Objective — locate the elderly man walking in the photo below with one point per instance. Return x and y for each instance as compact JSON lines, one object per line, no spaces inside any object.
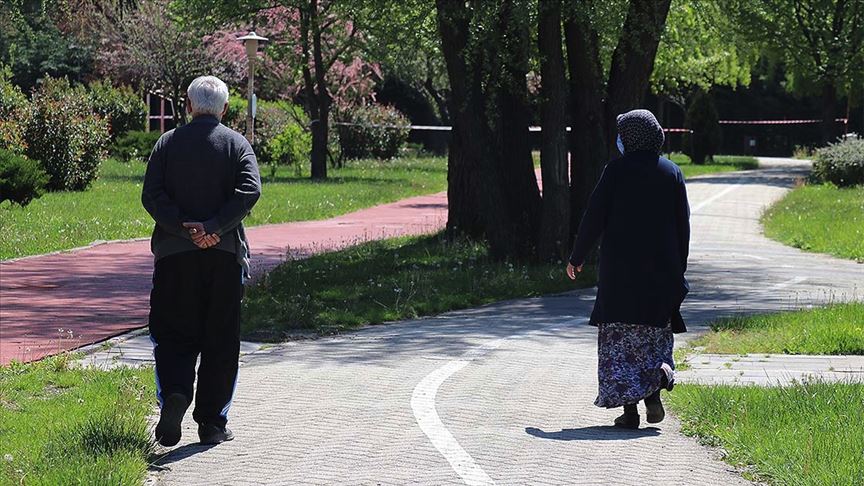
{"x":202,"y":180}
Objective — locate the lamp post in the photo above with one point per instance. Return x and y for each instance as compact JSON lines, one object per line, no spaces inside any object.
{"x":251,"y":40}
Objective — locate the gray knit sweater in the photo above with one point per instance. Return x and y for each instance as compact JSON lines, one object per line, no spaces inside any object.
{"x":204,"y":172}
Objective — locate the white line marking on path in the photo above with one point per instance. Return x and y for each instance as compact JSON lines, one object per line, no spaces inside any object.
{"x":788,"y":283}
{"x":713,"y":198}
{"x":423,"y":405}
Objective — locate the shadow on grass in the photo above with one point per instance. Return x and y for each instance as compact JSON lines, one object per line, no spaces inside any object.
{"x":594,"y":432}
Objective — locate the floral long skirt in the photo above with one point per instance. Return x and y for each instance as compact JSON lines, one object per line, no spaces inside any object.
{"x":630,"y":359}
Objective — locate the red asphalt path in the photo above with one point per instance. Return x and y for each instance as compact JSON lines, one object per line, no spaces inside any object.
{"x":62,"y":301}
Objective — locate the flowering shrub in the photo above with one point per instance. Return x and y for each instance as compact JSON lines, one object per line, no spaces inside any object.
{"x":841,"y":163}
{"x":375,"y":131}
{"x":64,"y":134}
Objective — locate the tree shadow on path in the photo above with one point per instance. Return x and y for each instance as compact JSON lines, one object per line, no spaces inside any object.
{"x":594,"y":432}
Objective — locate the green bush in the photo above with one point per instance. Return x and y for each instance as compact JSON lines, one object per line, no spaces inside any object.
{"x":279,"y":135}
{"x":291,"y":147}
{"x":135,"y":145}
{"x":841,"y":163}
{"x":21,"y":179}
{"x":235,"y":117}
{"x":122,"y":107}
{"x":65,"y":135}
{"x":270,"y":120}
{"x":13,"y":112}
{"x":372,"y":131}
{"x":702,"y":118}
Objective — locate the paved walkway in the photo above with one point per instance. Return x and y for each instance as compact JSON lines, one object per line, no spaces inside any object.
{"x":503,"y":393}
{"x":66,"y":300}
{"x":770,"y":369}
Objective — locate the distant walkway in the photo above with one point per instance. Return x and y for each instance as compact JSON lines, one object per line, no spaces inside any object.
{"x":62,"y":301}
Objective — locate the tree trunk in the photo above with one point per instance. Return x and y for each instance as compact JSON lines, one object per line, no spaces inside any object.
{"x":518,"y":224}
{"x":588,"y":146}
{"x":829,"y":113}
{"x":463,"y":160}
{"x":440,"y":102}
{"x":633,"y":59}
{"x":555,"y":221}
{"x":592,"y":140}
{"x":318,"y":100}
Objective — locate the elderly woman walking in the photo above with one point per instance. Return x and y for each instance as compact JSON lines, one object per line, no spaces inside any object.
{"x":640,"y":212}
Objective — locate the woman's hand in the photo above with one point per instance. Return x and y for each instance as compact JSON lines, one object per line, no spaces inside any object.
{"x":572,"y":271}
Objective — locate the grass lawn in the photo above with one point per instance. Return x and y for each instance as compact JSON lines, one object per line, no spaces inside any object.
{"x":74,"y":426}
{"x":112,"y":210}
{"x":804,"y":434}
{"x":722,"y":163}
{"x":820,"y":218}
{"x":389,"y":280}
{"x":836,"y":329}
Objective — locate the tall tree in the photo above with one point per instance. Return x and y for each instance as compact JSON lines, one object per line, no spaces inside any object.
{"x":152,"y":49}
{"x":492,"y":190}
{"x":33,"y":45}
{"x":595,"y":99}
{"x":555,"y":222}
{"x":324,"y":37}
{"x":821,"y":43}
{"x":464,"y":182}
{"x":700,"y":48}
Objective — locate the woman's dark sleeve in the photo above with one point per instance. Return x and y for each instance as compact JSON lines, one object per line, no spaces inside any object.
{"x":683,"y":222}
{"x":593,"y":221}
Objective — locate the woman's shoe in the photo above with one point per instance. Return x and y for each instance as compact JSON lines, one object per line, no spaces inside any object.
{"x":630,"y":418}
{"x":654,"y":408}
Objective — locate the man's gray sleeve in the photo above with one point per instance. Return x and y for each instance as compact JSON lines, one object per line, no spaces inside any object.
{"x":154,"y":198}
{"x":247,"y":190}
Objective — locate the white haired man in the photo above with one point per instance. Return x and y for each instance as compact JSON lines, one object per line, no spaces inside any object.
{"x":202,"y":179}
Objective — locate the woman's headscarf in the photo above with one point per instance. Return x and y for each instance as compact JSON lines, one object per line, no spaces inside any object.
{"x":640,"y":130}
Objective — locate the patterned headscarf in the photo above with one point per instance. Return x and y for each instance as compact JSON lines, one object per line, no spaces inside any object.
{"x":639,"y":130}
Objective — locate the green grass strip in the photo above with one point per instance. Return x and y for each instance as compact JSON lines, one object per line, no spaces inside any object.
{"x":390,"y":280}
{"x":721,"y":163}
{"x":64,"y":425}
{"x":821,"y":219}
{"x":835,"y":329}
{"x":805,"y":434}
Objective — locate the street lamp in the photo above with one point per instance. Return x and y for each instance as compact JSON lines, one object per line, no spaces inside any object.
{"x":251,"y":40}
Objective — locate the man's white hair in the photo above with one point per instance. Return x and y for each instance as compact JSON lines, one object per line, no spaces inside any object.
{"x":208,"y":95}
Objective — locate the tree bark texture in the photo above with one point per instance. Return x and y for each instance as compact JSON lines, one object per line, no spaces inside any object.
{"x":317,"y":98}
{"x":492,"y":189}
{"x":555,"y":221}
{"x":593,"y":109}
{"x":463,"y":160}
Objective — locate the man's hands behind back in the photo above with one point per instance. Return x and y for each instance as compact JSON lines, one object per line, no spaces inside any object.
{"x":200,"y":237}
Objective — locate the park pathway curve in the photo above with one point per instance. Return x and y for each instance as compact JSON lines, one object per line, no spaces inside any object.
{"x":51,"y":303}
{"x":502,"y":394}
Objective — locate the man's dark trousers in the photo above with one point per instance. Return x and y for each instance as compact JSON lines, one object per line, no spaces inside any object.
{"x":195,"y":308}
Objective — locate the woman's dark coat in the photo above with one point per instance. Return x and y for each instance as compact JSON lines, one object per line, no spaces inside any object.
{"x":639,"y":209}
